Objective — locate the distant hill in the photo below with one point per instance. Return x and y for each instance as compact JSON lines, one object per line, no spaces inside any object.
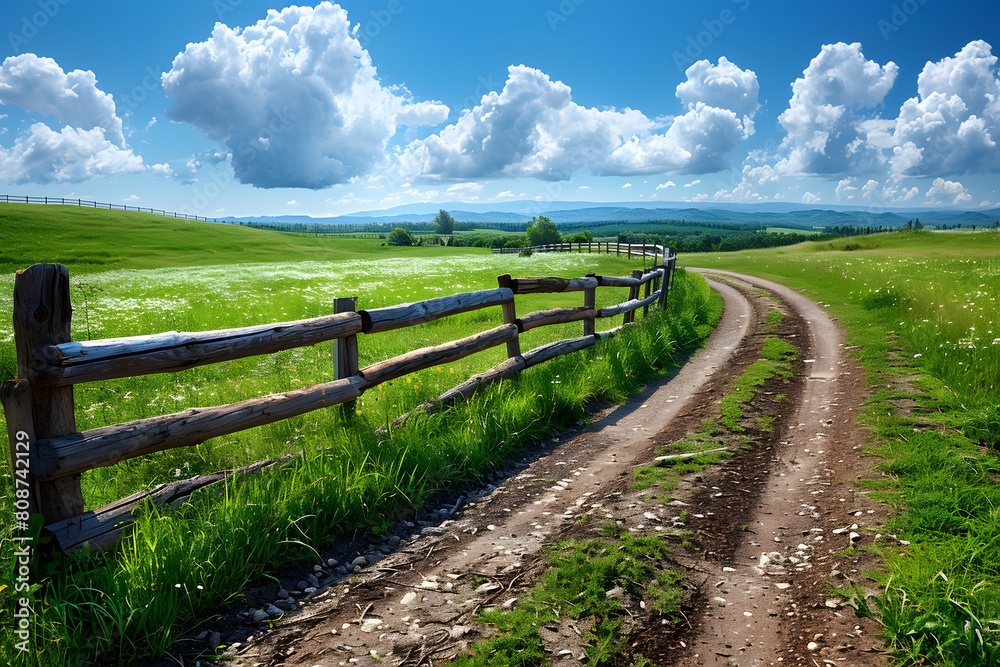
{"x":578,"y":214}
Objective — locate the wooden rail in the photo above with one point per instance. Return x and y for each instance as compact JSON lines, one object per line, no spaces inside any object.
{"x":39,"y":403}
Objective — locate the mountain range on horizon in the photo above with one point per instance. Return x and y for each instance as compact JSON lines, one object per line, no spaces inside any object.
{"x":781,"y":214}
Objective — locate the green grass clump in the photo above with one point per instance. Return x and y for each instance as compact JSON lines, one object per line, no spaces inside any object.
{"x":775,"y":361}
{"x":920,"y":311}
{"x":665,"y":477}
{"x":576,"y":583}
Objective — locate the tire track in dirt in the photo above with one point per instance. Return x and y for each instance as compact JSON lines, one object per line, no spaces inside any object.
{"x":418,"y":606}
{"x":772,"y":603}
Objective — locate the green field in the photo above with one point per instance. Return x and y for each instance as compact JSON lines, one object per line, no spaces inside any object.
{"x":922,"y":310}
{"x":178,"y":565}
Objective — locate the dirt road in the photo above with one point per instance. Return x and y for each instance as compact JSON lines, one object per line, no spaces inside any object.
{"x":768,"y":534}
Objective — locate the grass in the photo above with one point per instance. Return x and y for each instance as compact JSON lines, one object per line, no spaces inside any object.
{"x":776,"y":358}
{"x":665,"y":478}
{"x":179,"y":564}
{"x":920,"y":310}
{"x":576,"y":584}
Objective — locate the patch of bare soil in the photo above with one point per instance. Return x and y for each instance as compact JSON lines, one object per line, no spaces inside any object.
{"x":762,"y":539}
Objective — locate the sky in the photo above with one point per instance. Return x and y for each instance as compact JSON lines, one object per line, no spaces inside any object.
{"x":249,"y":108}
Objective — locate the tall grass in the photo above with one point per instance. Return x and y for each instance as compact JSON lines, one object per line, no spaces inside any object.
{"x":922,"y":310}
{"x":176,"y":565}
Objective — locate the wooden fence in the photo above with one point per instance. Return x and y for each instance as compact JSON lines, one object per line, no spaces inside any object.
{"x":49,"y":454}
{"x":63,"y":201}
{"x":629,"y":250}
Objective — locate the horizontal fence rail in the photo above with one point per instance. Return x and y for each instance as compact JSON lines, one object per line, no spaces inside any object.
{"x":64,"y":201}
{"x":39,"y":403}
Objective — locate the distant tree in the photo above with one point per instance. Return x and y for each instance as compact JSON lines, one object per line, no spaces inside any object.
{"x":399,"y":236}
{"x":917,"y":224}
{"x":542,"y":231}
{"x":582,"y":237}
{"x":444,"y":223}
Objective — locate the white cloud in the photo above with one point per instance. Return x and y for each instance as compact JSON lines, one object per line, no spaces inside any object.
{"x":668,"y":184}
{"x":70,"y":155}
{"x":464,"y":188}
{"x":846,"y":190}
{"x":294,"y":98}
{"x":534,"y":128}
{"x":584,"y":187}
{"x":810,"y":198}
{"x":948,"y":192}
{"x":131,"y":198}
{"x":693,"y":183}
{"x":89,"y":145}
{"x":724,"y":86}
{"x":163,"y":169}
{"x":824,"y":124}
{"x":952,"y":126}
{"x":292,"y":203}
{"x":747,"y":190}
{"x":626,"y":186}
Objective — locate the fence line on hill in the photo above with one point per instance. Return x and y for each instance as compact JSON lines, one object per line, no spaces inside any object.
{"x":86,"y":203}
{"x":49,"y":454}
{"x":630,"y":250}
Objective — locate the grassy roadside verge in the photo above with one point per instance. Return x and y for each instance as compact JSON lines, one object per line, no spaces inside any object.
{"x":179,"y":564}
{"x":920,"y":312}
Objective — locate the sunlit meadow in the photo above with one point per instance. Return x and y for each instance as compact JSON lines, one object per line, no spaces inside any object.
{"x":175,"y":566}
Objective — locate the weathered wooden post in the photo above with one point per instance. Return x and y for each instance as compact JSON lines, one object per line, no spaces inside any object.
{"x":668,"y":267}
{"x":345,"y":350}
{"x":590,"y":303}
{"x":633,"y":293}
{"x":510,"y":315}
{"x":646,"y":293}
{"x":42,"y":315}
{"x":16,"y":398}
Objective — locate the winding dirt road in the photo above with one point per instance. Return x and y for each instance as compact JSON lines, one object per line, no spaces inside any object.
{"x":770,"y":532}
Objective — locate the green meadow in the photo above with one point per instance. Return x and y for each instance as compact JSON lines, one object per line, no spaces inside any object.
{"x":921,"y":309}
{"x":176,"y":566}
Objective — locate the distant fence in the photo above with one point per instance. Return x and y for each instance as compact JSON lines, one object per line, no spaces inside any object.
{"x":49,"y":454}
{"x":630,"y":250}
{"x":63,"y":201}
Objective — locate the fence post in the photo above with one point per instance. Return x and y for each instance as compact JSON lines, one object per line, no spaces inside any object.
{"x":647,"y":292}
{"x":633,"y":293}
{"x":589,"y":302}
{"x":509,"y":316}
{"x":42,"y":315}
{"x":16,"y":398}
{"x":345,"y":350}
{"x":665,"y":283}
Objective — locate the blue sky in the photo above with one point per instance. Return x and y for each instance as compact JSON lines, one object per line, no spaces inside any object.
{"x":241,"y":107}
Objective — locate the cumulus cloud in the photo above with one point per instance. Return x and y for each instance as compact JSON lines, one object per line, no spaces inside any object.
{"x":693,"y":183}
{"x":534,"y":128}
{"x":810,"y":198}
{"x":953,"y":124}
{"x":948,"y":192}
{"x":162,"y":169}
{"x":71,"y":155}
{"x":748,"y":189}
{"x":824,"y":122}
{"x":846,"y":190}
{"x":294,"y":98}
{"x":90,"y":144}
{"x":665,"y":185}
